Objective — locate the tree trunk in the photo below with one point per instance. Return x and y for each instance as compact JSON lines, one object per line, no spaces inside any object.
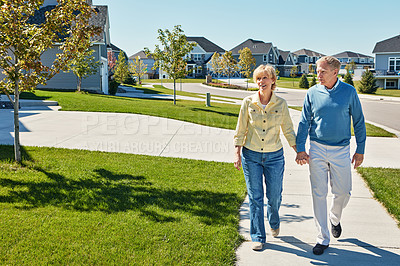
{"x":17,"y":146}
{"x":174,"y":93}
{"x":79,"y":84}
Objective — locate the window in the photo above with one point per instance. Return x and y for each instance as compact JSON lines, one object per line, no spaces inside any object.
{"x":270,"y":57}
{"x":265,"y":58}
{"x":390,"y":84}
{"x":394,"y":63}
{"x":197,"y":57}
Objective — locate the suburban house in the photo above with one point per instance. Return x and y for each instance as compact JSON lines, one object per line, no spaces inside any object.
{"x":264,"y":53}
{"x":361,"y":61}
{"x":66,"y":80}
{"x":200,"y":55}
{"x":387,"y":63}
{"x":285,"y":63}
{"x":304,"y":57}
{"x":148,"y":62}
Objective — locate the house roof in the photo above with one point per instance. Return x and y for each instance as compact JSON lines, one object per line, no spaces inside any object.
{"x":256,"y":47}
{"x":284,"y":54}
{"x":116,"y":50}
{"x":348,"y":54}
{"x":388,"y":45}
{"x":142,"y":55}
{"x":309,"y":53}
{"x":207,"y":45}
{"x":99,"y":19}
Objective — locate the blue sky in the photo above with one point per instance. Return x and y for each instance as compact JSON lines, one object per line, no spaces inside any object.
{"x":325,"y":26}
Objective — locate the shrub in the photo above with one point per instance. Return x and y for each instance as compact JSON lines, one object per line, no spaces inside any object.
{"x":367,"y":83}
{"x":112,"y":87}
{"x":348,"y":79}
{"x":313,"y":81}
{"x":303,"y":83}
{"x":130,"y":81}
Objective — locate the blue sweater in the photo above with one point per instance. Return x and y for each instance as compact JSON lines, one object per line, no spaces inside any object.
{"x":326,"y":117}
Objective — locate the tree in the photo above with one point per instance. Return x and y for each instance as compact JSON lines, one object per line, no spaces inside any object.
{"x":313,"y":81}
{"x":350,"y":67}
{"x":121,"y":73}
{"x":137,"y":67}
{"x":229,"y":65}
{"x":311,"y":69}
{"x":171,"y":57}
{"x":83,"y":66}
{"x":247,"y":63}
{"x":216,"y":63}
{"x":367,"y":83}
{"x":303,"y":83}
{"x":348,"y":79}
{"x":111,"y":60}
{"x":293,"y":72}
{"x":22,"y":44}
{"x":277,"y":72}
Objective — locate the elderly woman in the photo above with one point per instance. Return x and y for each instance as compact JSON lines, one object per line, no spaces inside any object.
{"x":259,"y":150}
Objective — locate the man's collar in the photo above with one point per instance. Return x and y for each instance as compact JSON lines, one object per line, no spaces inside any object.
{"x":335,"y":86}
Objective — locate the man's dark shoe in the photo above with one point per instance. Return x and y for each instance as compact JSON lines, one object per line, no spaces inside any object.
{"x":319,"y":249}
{"x":336,"y":230}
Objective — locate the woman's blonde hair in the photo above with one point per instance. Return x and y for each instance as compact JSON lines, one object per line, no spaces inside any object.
{"x":266,"y":70}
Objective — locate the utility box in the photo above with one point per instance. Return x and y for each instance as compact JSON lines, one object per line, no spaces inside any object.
{"x":208,"y":99}
{"x":208,"y":79}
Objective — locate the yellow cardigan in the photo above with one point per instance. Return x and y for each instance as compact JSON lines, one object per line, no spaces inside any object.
{"x":258,"y":129}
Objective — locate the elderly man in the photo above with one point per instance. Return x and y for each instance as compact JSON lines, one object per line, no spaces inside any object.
{"x":326,"y":117}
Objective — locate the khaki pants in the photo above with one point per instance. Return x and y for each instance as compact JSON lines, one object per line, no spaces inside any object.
{"x":329,"y":164}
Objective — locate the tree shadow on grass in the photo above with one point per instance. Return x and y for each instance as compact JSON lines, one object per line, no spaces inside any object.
{"x":213,"y":111}
{"x":110,"y":192}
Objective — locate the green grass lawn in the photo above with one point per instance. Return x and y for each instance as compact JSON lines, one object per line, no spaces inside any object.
{"x":385,"y":184}
{"x":218,"y":115}
{"x":74,"y":207}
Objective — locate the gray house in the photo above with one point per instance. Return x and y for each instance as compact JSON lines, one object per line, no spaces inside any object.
{"x":200,"y":55}
{"x":264,"y":53}
{"x":148,"y":61}
{"x":285,"y":64}
{"x":362,"y":61}
{"x":305,"y":57}
{"x":387,"y":63}
{"x":67,"y":80}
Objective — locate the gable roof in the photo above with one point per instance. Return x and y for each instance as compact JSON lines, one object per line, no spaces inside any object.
{"x":99,"y":19}
{"x":348,"y":54}
{"x":142,"y":55}
{"x":388,"y":45}
{"x":309,"y":53}
{"x":284,"y":54}
{"x":256,"y":47}
{"x":207,"y":45}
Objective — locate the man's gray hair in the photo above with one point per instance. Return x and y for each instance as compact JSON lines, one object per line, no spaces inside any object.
{"x":333,"y":62}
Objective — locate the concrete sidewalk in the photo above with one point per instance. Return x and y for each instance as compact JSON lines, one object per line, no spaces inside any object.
{"x":370,"y":236}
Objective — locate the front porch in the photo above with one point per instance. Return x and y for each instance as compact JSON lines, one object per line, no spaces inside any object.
{"x":387,"y":79}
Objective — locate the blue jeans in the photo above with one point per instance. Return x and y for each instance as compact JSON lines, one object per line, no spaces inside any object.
{"x":269,"y":165}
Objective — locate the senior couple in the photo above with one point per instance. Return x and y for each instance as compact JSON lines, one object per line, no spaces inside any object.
{"x":328,"y":110}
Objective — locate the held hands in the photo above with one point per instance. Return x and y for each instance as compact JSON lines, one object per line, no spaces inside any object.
{"x":302,"y":158}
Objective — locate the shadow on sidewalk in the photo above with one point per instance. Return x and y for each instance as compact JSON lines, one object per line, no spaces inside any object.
{"x":338,"y":254}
